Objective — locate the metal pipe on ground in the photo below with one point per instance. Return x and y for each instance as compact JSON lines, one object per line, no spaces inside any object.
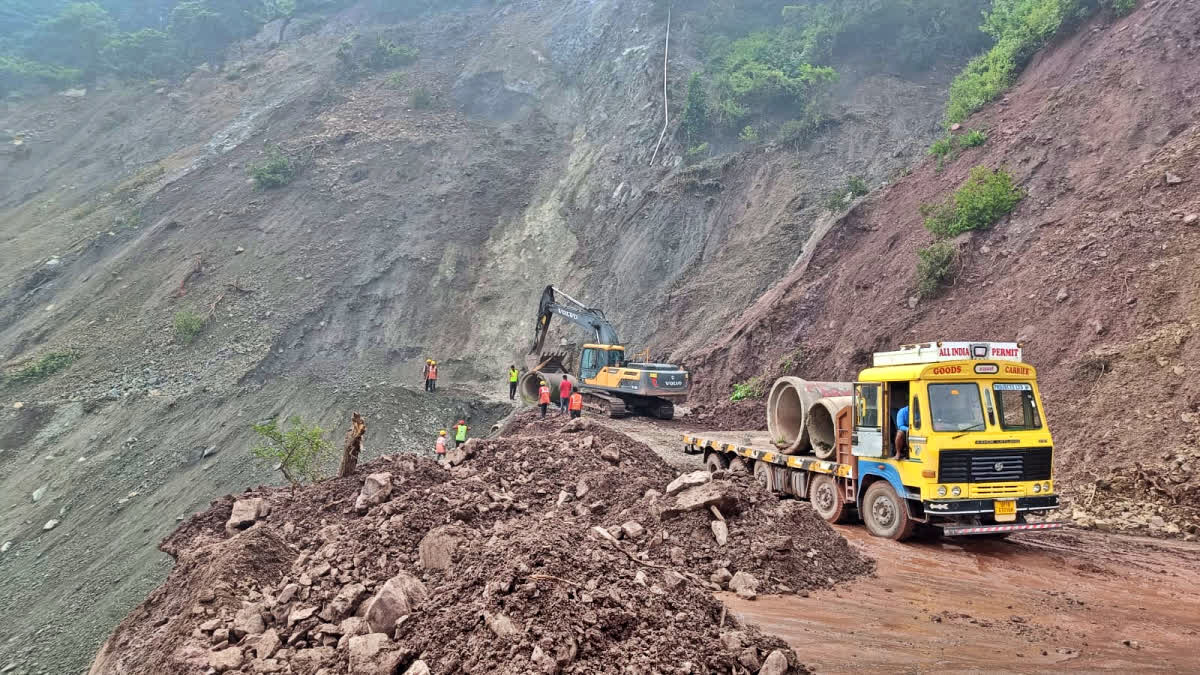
{"x":822,"y":431}
{"x":787,"y":407}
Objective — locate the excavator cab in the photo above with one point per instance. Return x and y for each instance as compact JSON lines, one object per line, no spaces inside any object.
{"x":596,"y":358}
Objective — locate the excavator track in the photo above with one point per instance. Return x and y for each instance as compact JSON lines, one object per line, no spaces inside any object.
{"x":604,"y":404}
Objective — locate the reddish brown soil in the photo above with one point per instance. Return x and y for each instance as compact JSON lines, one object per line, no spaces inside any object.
{"x":527,"y":551}
{"x":1094,"y":272}
{"x":1063,"y":602}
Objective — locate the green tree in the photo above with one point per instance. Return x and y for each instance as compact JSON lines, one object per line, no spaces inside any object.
{"x":146,"y":54}
{"x":201,"y":33}
{"x":299,"y":453}
{"x":75,"y":36}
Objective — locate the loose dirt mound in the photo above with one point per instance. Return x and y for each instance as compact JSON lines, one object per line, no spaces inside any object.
{"x":555,"y":550}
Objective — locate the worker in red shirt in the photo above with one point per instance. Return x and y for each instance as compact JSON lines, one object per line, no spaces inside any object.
{"x":543,"y":398}
{"x":564,"y":394}
{"x":576,"y":404}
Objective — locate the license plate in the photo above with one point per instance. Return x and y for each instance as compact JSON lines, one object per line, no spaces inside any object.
{"x":1006,"y":510}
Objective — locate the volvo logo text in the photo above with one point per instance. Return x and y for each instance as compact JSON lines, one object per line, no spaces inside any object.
{"x":999,"y":466}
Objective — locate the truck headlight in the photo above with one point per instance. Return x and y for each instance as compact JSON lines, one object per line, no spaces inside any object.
{"x":956,"y":491}
{"x":941,"y":490}
{"x":1037,"y":488}
{"x":1046,"y":486}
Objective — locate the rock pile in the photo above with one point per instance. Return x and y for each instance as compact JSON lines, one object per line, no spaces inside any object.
{"x":576,"y":551}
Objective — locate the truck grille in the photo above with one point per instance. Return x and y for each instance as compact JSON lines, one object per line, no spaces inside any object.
{"x":994,"y":466}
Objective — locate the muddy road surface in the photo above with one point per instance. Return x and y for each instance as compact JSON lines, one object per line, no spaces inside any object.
{"x":1051,"y":602}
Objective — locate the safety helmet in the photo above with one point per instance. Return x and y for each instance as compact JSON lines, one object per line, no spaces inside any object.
{"x":442,"y":432}
{"x":428,"y":360}
{"x":434,"y":362}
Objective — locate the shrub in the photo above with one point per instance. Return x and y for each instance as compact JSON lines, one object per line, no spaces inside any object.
{"x":276,"y":171}
{"x":935,"y":267}
{"x":942,"y":147}
{"x":421,"y":99}
{"x":748,"y":134}
{"x":387,"y":54}
{"x":697,"y":152}
{"x":974,"y":138}
{"x":987,"y":196}
{"x":188,"y":325}
{"x":298,"y":453}
{"x":695,"y":111}
{"x":45,"y":367}
{"x":857,"y":186}
{"x":396,"y":80}
{"x":755,"y":387}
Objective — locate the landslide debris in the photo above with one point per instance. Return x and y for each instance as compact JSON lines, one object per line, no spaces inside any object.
{"x":553,"y":550}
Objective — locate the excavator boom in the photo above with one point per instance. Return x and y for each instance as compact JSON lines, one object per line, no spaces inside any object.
{"x":574,"y":311}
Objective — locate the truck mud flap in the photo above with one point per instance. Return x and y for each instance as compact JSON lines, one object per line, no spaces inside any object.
{"x":966,"y":530}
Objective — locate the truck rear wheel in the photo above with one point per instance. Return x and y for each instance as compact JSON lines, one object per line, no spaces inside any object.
{"x":764,"y":476}
{"x":826,"y":499}
{"x":885,"y":514}
{"x":738,"y":465}
{"x":715,"y":462}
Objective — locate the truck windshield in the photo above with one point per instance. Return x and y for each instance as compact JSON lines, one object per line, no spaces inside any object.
{"x":1017,"y":407}
{"x":956,"y":407}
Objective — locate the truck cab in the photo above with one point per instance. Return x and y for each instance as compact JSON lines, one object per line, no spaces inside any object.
{"x":977,"y":455}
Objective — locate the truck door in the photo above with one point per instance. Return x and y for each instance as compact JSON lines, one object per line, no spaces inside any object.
{"x":867,"y":440}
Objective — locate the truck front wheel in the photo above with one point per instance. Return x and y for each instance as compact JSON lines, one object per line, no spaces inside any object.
{"x":715,"y":462}
{"x":885,"y":514}
{"x":826,"y":499}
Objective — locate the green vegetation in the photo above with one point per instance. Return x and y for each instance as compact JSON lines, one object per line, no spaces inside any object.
{"x":986,"y":197}
{"x":299,"y":453}
{"x":61,"y":43}
{"x":791,"y":360}
{"x":388,"y":54}
{"x":275,"y":171}
{"x":697,"y":153}
{"x":769,"y":62}
{"x":188,"y":325}
{"x":935,"y":267}
{"x":695,"y":112}
{"x":421,"y":99}
{"x":1019,"y":29}
{"x":396,"y":80}
{"x":946,"y":148}
{"x":755,"y":387}
{"x":855,"y":187}
{"x":44,"y":367}
{"x":748,"y":134}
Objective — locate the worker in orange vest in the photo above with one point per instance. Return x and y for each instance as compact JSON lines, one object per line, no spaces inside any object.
{"x":543,"y":398}
{"x":433,"y":376}
{"x":425,"y":372}
{"x":576,"y":405}
{"x":441,"y":444}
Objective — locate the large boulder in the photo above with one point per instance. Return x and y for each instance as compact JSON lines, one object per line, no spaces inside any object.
{"x":245,"y":513}
{"x":719,"y":493}
{"x":396,"y":598}
{"x":346,"y":601}
{"x":373,"y":654}
{"x":226,"y":659}
{"x":745,"y":585}
{"x":437,"y":547}
{"x":776,"y":664}
{"x":376,"y":489}
{"x":249,"y":621}
{"x":688,"y":480}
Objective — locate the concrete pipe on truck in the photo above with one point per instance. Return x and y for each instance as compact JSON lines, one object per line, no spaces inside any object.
{"x":822,"y":430}
{"x":787,"y":407}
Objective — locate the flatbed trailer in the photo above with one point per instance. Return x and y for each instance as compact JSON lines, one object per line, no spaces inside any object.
{"x":835,"y":487}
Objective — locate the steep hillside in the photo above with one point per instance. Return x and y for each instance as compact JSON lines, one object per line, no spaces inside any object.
{"x":1093,"y":272}
{"x":429,"y":205}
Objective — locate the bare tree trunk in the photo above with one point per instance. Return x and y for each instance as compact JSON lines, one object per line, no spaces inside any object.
{"x":352,"y":446}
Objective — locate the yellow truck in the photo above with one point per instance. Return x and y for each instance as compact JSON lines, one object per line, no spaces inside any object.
{"x":975,"y":456}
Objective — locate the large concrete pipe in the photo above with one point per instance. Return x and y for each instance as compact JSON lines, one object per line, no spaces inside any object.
{"x":788,"y":405}
{"x":822,"y":434}
{"x":528,"y":386}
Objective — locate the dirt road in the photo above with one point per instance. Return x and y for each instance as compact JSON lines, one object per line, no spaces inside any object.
{"x":1076,"y":601}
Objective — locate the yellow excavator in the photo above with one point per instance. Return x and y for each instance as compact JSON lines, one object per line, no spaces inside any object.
{"x":608,"y":382}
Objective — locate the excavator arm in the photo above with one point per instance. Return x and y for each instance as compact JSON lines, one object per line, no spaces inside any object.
{"x":574,"y":311}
